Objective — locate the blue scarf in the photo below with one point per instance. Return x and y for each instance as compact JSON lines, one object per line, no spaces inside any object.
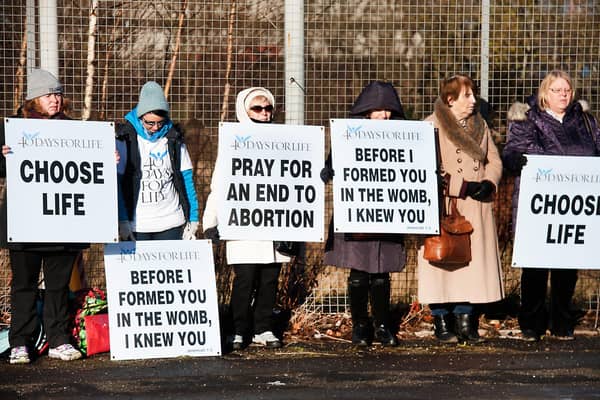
{"x":142,"y":132}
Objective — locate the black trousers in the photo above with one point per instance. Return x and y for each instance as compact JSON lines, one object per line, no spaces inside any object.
{"x":534,"y":313}
{"x":169,"y":234}
{"x":25,"y":266}
{"x":253,"y":297}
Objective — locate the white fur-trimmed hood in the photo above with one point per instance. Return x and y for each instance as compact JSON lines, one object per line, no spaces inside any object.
{"x":518,"y":110}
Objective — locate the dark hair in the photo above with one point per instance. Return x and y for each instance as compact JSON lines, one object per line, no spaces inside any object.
{"x":452,"y":86}
{"x":161,"y":113}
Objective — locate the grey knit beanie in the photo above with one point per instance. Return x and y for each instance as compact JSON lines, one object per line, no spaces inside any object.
{"x":152,"y":98}
{"x":41,"y":82}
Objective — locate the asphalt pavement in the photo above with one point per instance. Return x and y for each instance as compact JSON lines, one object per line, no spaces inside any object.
{"x":325,"y":369}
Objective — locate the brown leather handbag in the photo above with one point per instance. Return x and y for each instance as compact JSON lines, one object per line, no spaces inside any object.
{"x":452,"y":248}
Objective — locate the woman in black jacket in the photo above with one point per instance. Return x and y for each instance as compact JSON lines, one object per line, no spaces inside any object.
{"x":551,"y":123}
{"x":370,"y":257}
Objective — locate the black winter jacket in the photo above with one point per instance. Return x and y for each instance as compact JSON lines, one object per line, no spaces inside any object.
{"x":130,"y":184}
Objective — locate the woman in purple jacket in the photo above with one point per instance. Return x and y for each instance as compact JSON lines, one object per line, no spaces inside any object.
{"x":552,"y":123}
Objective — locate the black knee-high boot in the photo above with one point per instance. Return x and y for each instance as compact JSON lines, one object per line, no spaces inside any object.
{"x":358,"y":291}
{"x":380,"y":304}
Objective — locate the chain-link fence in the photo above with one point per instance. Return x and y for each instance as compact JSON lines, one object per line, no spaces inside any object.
{"x":204,"y":52}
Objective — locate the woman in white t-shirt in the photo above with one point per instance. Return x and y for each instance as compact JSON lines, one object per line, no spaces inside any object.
{"x":157,"y":197}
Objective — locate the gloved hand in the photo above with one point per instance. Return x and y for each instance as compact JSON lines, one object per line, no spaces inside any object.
{"x":480,"y":191}
{"x":125,"y":231}
{"x":326,"y":174}
{"x":212,"y":234}
{"x":522,"y":162}
{"x":189,"y":231}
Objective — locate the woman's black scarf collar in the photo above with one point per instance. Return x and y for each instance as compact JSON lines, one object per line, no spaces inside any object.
{"x":469,"y":139}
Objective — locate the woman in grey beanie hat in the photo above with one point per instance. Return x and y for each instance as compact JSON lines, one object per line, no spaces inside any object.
{"x":152,"y":98}
{"x":41,"y":82}
{"x":157,"y":196}
{"x":44,"y":101}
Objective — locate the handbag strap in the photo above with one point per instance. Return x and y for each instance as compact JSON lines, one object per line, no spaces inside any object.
{"x":454,"y":206}
{"x":450,"y":207}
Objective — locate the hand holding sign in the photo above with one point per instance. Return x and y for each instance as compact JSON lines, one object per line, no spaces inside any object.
{"x":57,"y":177}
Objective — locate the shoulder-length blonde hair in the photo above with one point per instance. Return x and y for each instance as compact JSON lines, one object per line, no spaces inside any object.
{"x":542,"y":97}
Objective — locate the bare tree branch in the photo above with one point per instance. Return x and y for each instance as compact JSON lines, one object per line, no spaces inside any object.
{"x":20,"y":72}
{"x":89,"y":82}
{"x":176,"y":49}
{"x":109,"y":51}
{"x":229,"y":57}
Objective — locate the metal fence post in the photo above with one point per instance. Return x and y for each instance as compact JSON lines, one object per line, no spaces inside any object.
{"x":294,"y":61}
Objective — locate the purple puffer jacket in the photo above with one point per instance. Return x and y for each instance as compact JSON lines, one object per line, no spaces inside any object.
{"x":534,"y":131}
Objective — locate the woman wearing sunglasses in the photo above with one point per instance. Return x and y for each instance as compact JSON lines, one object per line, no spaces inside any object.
{"x":256,"y":263}
{"x":157,"y":197}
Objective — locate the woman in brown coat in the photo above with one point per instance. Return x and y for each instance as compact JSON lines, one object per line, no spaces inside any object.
{"x":471,"y":169}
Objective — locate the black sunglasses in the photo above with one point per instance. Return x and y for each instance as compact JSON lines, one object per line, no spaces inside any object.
{"x":258,"y":109}
{"x":151,"y":124}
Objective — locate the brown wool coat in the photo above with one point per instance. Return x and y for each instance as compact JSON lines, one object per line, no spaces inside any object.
{"x":481,"y":280}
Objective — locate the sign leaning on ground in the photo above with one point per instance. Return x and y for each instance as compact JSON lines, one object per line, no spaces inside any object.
{"x":273,"y":190}
{"x":385,"y":176}
{"x":61,"y":181}
{"x":162,"y":299}
{"x":558,"y":219}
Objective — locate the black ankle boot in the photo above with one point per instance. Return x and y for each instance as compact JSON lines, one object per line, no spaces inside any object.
{"x":385,"y":337}
{"x":474,"y":332}
{"x":360,"y":334}
{"x":441,"y":330}
{"x":462,"y":326}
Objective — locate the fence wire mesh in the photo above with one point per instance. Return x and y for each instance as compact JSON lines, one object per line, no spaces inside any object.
{"x":204,"y":52}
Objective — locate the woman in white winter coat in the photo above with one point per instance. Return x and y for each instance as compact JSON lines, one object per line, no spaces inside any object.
{"x":256,"y":263}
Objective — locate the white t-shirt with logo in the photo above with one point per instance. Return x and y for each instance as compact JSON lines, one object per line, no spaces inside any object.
{"x":158,"y":207}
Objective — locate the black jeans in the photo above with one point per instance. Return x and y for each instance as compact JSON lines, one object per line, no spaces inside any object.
{"x":533,"y":314}
{"x":169,"y":234}
{"x":25,"y":266}
{"x":253,"y":296}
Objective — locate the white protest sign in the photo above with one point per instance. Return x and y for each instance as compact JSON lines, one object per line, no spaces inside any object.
{"x":268,"y":184}
{"x":162,"y":299}
{"x":61,"y":181}
{"x":558,"y":219}
{"x":385,"y":176}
